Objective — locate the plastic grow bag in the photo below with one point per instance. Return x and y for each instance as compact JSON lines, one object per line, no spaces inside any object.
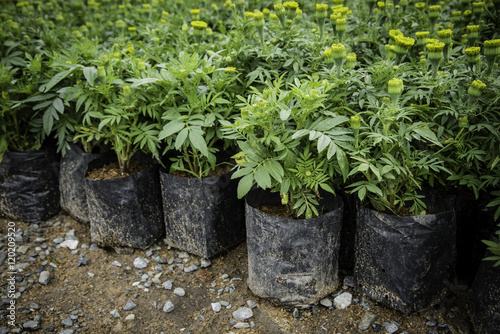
{"x":72,"y":182}
{"x":404,"y":262}
{"x":202,"y":216}
{"x":29,"y":185}
{"x":484,"y":306}
{"x":293,"y":262}
{"x":126,"y":211}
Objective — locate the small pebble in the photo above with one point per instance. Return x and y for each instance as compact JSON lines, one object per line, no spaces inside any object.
{"x":130,"y":305}
{"x":115,"y":313}
{"x":140,"y":263}
{"x":44,"y":277}
{"x":326,"y":302}
{"x":67,"y":322}
{"x":216,"y":307}
{"x":251,"y":304}
{"x":205,"y":263}
{"x":241,"y":325}
{"x":116,"y":264}
{"x":82,"y":260}
{"x":179,"y":292}
{"x":167,"y":285}
{"x":130,"y":317}
{"x":168,"y":307}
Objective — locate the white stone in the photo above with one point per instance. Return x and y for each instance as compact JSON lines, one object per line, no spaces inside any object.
{"x":130,"y":317}
{"x":343,"y":300}
{"x":179,"y":292}
{"x":115,"y":313}
{"x":140,"y":263}
{"x":167,"y":285}
{"x":168,"y":307}
{"x":243,"y":314}
{"x":71,"y":244}
{"x":44,"y":277}
{"x":326,"y":302}
{"x":216,"y":307}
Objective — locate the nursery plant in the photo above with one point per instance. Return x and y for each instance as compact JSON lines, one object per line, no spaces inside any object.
{"x":290,"y":143}
{"x":388,"y":168}
{"x":194,"y":94}
{"x":115,"y":109}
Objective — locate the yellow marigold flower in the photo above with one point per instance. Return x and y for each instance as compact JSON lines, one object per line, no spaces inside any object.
{"x":249,"y":15}
{"x":420,"y":5}
{"x":338,"y":51}
{"x":195,"y":12}
{"x":120,"y":24}
{"x":291,"y":5}
{"x":266,"y":12}
{"x":199,"y":25}
{"x":492,"y":48}
{"x":435,"y":47}
{"x":476,"y":88}
{"x":472,"y":51}
{"x":350,"y":60}
{"x":395,"y":86}
{"x":422,"y":34}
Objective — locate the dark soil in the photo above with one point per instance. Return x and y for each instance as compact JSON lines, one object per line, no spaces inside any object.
{"x":112,"y":170}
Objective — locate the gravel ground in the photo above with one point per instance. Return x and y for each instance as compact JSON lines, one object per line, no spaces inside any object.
{"x":65,"y":284}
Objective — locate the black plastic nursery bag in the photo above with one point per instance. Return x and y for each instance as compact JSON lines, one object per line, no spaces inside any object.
{"x":126,"y":211}
{"x":29,"y":185}
{"x":404,"y":262}
{"x":294,"y":262}
{"x":484,"y":303}
{"x":72,"y":182}
{"x":202,"y":216}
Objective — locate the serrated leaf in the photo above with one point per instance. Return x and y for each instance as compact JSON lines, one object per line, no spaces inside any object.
{"x":90,"y":74}
{"x":245,"y":185}
{"x":285,"y":113}
{"x":323,"y":142}
{"x":181,"y":138}
{"x":171,"y":128}
{"x":261,"y":175}
{"x":139,"y":82}
{"x":58,"y":105}
{"x":198,"y":142}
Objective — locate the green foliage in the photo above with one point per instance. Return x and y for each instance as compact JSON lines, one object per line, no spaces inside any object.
{"x":494,"y":247}
{"x":290,"y":144}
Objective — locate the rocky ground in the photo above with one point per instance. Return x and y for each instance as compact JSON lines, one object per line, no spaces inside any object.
{"x":65,"y":284}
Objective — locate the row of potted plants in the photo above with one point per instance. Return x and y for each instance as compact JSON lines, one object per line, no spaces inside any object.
{"x":378,"y":100}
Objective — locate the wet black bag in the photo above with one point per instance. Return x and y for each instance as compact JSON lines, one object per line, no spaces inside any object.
{"x":126,"y":211}
{"x":202,"y":216}
{"x":72,"y":182}
{"x":404,"y":262}
{"x":293,"y":262}
{"x":484,"y":302}
{"x":29,"y":185}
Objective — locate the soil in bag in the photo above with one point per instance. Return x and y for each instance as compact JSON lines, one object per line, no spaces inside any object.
{"x":292,"y":261}
{"x":404,"y":262}
{"x":203,"y":216}
{"x":125,"y":211}
{"x":72,"y":181}
{"x":484,"y":306}
{"x":29,"y":185}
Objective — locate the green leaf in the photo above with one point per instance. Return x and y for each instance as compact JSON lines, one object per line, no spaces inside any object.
{"x":181,"y":138}
{"x":58,"y":105}
{"x":285,"y":113}
{"x":90,"y":74}
{"x":262,"y":177}
{"x":245,"y":185}
{"x":326,"y":187}
{"x":198,"y":142}
{"x":139,"y":82}
{"x":171,"y":128}
{"x":56,"y":79}
{"x":425,"y":132}
{"x":343,"y":163}
{"x":323,"y":142}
